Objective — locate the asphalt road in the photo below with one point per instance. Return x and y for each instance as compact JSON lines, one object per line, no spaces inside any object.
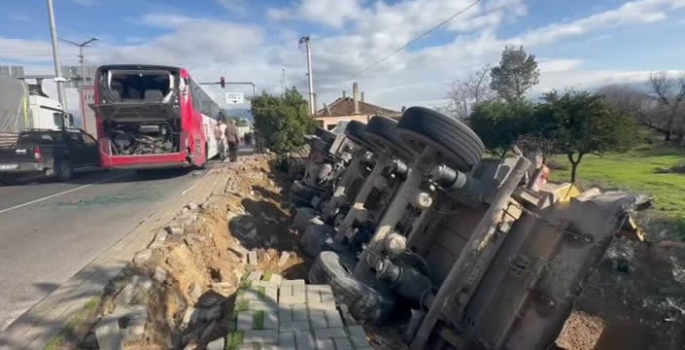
{"x":49,"y":231}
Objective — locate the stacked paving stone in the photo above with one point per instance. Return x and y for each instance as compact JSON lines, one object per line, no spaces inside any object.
{"x":290,"y":315}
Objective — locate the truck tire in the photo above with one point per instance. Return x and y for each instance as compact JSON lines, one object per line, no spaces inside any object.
{"x":364,"y":303}
{"x":382,"y":132}
{"x":355,"y":131}
{"x":64,"y":170}
{"x":314,"y":239}
{"x":325,"y":135}
{"x":456,"y":142}
{"x":306,"y":217}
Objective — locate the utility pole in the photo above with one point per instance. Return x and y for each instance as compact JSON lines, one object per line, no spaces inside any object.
{"x":59,"y":80}
{"x":308,"y":49}
{"x":80,"y":56}
{"x":283,"y":80}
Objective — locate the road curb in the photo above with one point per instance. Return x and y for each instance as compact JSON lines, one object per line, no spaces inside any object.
{"x":35,"y":328}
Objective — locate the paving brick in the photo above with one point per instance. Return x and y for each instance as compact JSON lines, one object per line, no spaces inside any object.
{"x":285,"y":313}
{"x":333,"y":318}
{"x":318,"y":319}
{"x":265,"y":284}
{"x":255,"y":275}
{"x":252,"y":258}
{"x":286,"y":341}
{"x":327,"y":333}
{"x":283,"y":259}
{"x":320,"y":297}
{"x":260,"y":336}
{"x":263,"y":305}
{"x":325,"y":344}
{"x":358,"y":336}
{"x":292,"y":292}
{"x":245,"y":320}
{"x":300,"y":312}
{"x":299,"y":326}
{"x":343,"y":344}
{"x":271,"y":294}
{"x":305,"y":341}
{"x":276,"y":279}
{"x":271,"y":321}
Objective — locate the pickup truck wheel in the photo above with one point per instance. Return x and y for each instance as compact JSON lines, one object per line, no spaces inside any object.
{"x":365,"y":304}
{"x":64,"y":170}
{"x":456,"y":142}
{"x":382,"y":132}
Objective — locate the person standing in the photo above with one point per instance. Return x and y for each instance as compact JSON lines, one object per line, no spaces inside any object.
{"x":232,"y":138}
{"x":220,"y":136}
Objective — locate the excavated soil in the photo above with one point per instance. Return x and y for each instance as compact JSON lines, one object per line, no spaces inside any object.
{"x":635,"y":300}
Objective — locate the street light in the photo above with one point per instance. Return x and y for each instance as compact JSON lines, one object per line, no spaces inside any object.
{"x":80,"y":55}
{"x":61,"y":95}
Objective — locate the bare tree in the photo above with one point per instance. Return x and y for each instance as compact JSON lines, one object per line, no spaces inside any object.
{"x":466,"y":93}
{"x":667,"y":107}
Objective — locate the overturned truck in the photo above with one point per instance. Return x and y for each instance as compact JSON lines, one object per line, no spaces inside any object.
{"x":456,"y":251}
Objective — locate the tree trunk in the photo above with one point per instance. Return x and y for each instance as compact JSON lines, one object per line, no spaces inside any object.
{"x":574,"y":165}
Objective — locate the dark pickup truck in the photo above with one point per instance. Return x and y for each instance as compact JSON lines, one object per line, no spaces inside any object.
{"x":57,"y":153}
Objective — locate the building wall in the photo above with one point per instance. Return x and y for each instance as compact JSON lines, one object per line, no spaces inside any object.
{"x":329,"y":123}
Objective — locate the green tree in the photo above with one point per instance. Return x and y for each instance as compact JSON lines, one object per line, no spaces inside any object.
{"x":581,"y":123}
{"x":516,"y":74}
{"x":499,"y":124}
{"x":282,"y":122}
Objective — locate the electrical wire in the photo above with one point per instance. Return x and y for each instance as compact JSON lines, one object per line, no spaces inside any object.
{"x":416,"y":39}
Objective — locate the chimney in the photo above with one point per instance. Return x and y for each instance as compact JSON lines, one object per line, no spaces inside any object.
{"x":316,"y":105}
{"x":344,"y":94}
{"x":327,"y":109}
{"x":355,"y":97}
{"x":362,"y":96}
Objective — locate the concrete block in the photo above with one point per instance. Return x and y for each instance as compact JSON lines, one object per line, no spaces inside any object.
{"x":327,"y":333}
{"x":249,"y":293}
{"x":333,"y":318}
{"x":263,"y":284}
{"x":245,"y":320}
{"x":299,"y":326}
{"x":260,"y":336}
{"x":271,"y":294}
{"x":342,"y":344}
{"x":285,"y":313}
{"x":174,"y":229}
{"x":283,"y":259}
{"x":160,"y":274}
{"x":286,"y":341}
{"x":292,"y":292}
{"x":293,"y":283}
{"x":142,"y":256}
{"x":255,"y":275}
{"x":305,"y":341}
{"x":300,"y":312}
{"x":216,"y":345}
{"x":263,"y":305}
{"x":137,"y":319}
{"x":108,"y":334}
{"x":325,"y":344}
{"x":276,"y":279}
{"x":358,"y":336}
{"x":318,"y":319}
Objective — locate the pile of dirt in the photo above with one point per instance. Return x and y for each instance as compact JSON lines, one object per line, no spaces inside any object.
{"x":635,"y":300}
{"x":196,"y":264}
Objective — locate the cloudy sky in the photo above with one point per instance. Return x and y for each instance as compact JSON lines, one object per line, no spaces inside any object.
{"x":579,"y":43}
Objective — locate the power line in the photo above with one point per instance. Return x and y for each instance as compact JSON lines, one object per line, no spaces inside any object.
{"x":424,"y":34}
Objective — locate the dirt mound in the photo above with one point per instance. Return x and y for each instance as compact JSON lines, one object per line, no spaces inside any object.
{"x":635,"y":300}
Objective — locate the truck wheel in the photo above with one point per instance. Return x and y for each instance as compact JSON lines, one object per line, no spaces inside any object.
{"x":325,"y":135}
{"x":64,"y":170}
{"x":355,"y":131}
{"x":382,"y":132}
{"x":456,"y":142}
{"x":364,"y":303}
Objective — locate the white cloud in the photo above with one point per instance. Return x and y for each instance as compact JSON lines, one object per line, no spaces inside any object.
{"x":248,"y":52}
{"x":238,"y":7}
{"x":86,"y":3}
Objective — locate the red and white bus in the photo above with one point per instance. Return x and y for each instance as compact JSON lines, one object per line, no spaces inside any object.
{"x":152,"y":117}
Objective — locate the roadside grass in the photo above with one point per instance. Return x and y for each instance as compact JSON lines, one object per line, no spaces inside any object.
{"x":70,"y":331}
{"x":637,"y":171}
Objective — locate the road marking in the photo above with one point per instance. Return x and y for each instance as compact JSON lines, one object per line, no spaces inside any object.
{"x":61,"y":193}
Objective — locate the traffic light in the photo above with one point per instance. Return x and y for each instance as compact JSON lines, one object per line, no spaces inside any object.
{"x":222,"y":82}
